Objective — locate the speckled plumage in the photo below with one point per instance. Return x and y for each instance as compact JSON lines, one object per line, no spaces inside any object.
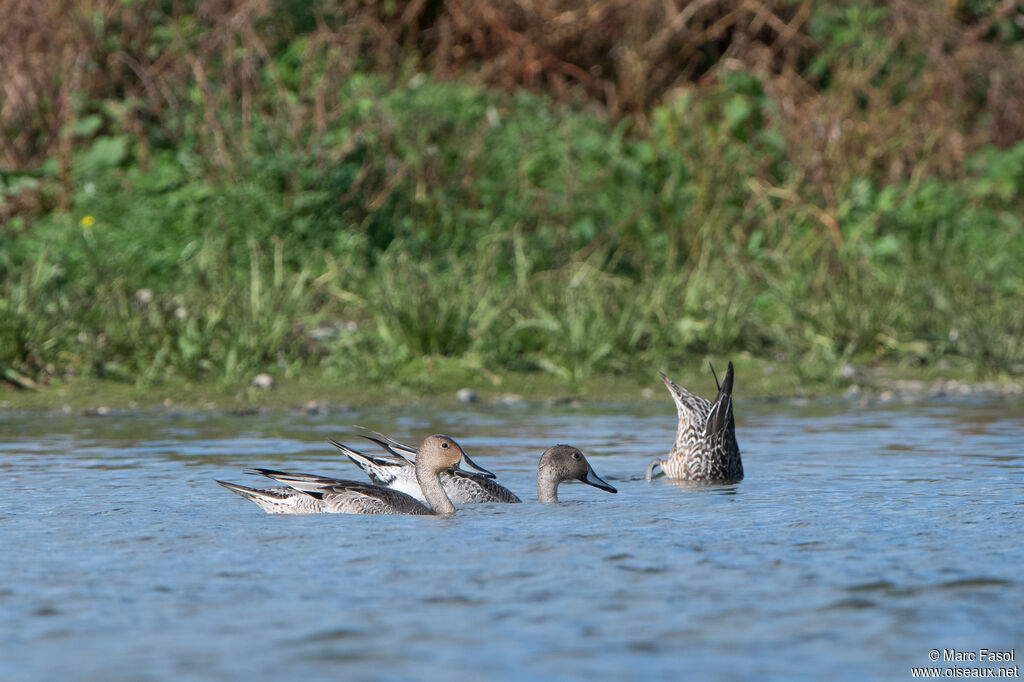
{"x":313,"y":494}
{"x":705,"y":448}
{"x":557,"y":464}
{"x":279,"y":500}
{"x":398,"y":472}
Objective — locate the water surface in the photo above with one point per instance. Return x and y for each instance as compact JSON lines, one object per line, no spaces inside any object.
{"x":861,"y":539}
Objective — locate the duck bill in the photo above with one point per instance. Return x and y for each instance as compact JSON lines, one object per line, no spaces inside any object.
{"x":468,"y":462}
{"x":593,"y":479}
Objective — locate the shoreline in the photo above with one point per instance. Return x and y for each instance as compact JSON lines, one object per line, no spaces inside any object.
{"x":757,"y":382}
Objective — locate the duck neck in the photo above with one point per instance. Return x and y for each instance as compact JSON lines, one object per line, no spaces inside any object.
{"x":433,"y":491}
{"x":547,"y":486}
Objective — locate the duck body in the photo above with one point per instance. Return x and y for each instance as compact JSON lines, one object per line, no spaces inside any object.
{"x":278,"y":500}
{"x":397,"y":471}
{"x":705,"y":448}
{"x":311,"y":494}
{"x":558,"y":464}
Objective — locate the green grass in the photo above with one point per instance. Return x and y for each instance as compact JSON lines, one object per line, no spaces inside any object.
{"x":500,"y":234}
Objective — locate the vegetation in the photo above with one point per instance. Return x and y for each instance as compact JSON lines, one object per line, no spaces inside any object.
{"x":206,"y":190}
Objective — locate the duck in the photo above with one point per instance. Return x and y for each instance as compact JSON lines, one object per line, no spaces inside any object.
{"x":397,"y":470}
{"x":312,"y":494}
{"x":558,"y":464}
{"x":705,"y":449}
{"x":562,"y":463}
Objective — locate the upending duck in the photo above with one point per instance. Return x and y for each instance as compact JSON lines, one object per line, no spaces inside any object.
{"x":306,"y":493}
{"x":558,"y":464}
{"x":398,"y":472}
{"x":705,"y":448}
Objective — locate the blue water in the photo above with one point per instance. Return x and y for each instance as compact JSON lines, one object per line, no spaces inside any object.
{"x":861,"y":539}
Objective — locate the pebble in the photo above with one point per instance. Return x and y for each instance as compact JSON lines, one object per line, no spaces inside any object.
{"x":314,"y":407}
{"x":263,"y":380}
{"x":848,"y":372}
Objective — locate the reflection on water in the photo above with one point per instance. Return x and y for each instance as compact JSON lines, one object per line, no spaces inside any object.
{"x":859,"y":541}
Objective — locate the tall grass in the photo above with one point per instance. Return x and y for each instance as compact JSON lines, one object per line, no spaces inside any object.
{"x":269,"y":203}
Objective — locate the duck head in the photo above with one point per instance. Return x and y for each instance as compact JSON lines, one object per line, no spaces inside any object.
{"x":439,"y":453}
{"x":569,"y":464}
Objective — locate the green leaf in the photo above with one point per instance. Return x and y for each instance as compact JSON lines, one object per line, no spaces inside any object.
{"x":87,"y":126}
{"x":105,"y":153}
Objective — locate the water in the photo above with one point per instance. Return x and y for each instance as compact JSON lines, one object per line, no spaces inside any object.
{"x":860,"y":540}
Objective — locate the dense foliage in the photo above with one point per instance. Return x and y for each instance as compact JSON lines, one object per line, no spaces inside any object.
{"x":209,"y":189}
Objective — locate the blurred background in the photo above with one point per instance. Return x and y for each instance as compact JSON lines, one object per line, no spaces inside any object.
{"x":205,"y":190}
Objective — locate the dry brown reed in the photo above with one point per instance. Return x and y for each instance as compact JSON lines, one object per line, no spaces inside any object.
{"x":939,"y":87}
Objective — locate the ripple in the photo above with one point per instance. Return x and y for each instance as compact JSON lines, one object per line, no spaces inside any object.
{"x":857,"y":530}
{"x":853,"y":604}
{"x":336,"y":635}
{"x":962,"y":583}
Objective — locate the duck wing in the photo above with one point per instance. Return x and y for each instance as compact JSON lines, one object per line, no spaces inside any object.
{"x":354,"y":497}
{"x":468,"y":487}
{"x":720,"y":414}
{"x":278,"y":500}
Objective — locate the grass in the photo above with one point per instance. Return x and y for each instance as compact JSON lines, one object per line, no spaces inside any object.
{"x":394,"y":233}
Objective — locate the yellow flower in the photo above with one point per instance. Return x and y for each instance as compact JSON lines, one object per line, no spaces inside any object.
{"x":87,"y":221}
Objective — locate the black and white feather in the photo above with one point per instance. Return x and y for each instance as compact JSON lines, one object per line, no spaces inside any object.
{"x":397,"y":471}
{"x":312,"y":494}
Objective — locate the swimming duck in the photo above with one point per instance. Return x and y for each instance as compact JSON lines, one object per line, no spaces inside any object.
{"x":398,"y":472}
{"x":558,"y":464}
{"x":564,"y":463}
{"x":306,"y":493}
{"x":705,"y":448}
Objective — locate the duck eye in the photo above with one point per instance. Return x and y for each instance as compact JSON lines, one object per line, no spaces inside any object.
{"x":444,"y":445}
{"x":575,"y":455}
